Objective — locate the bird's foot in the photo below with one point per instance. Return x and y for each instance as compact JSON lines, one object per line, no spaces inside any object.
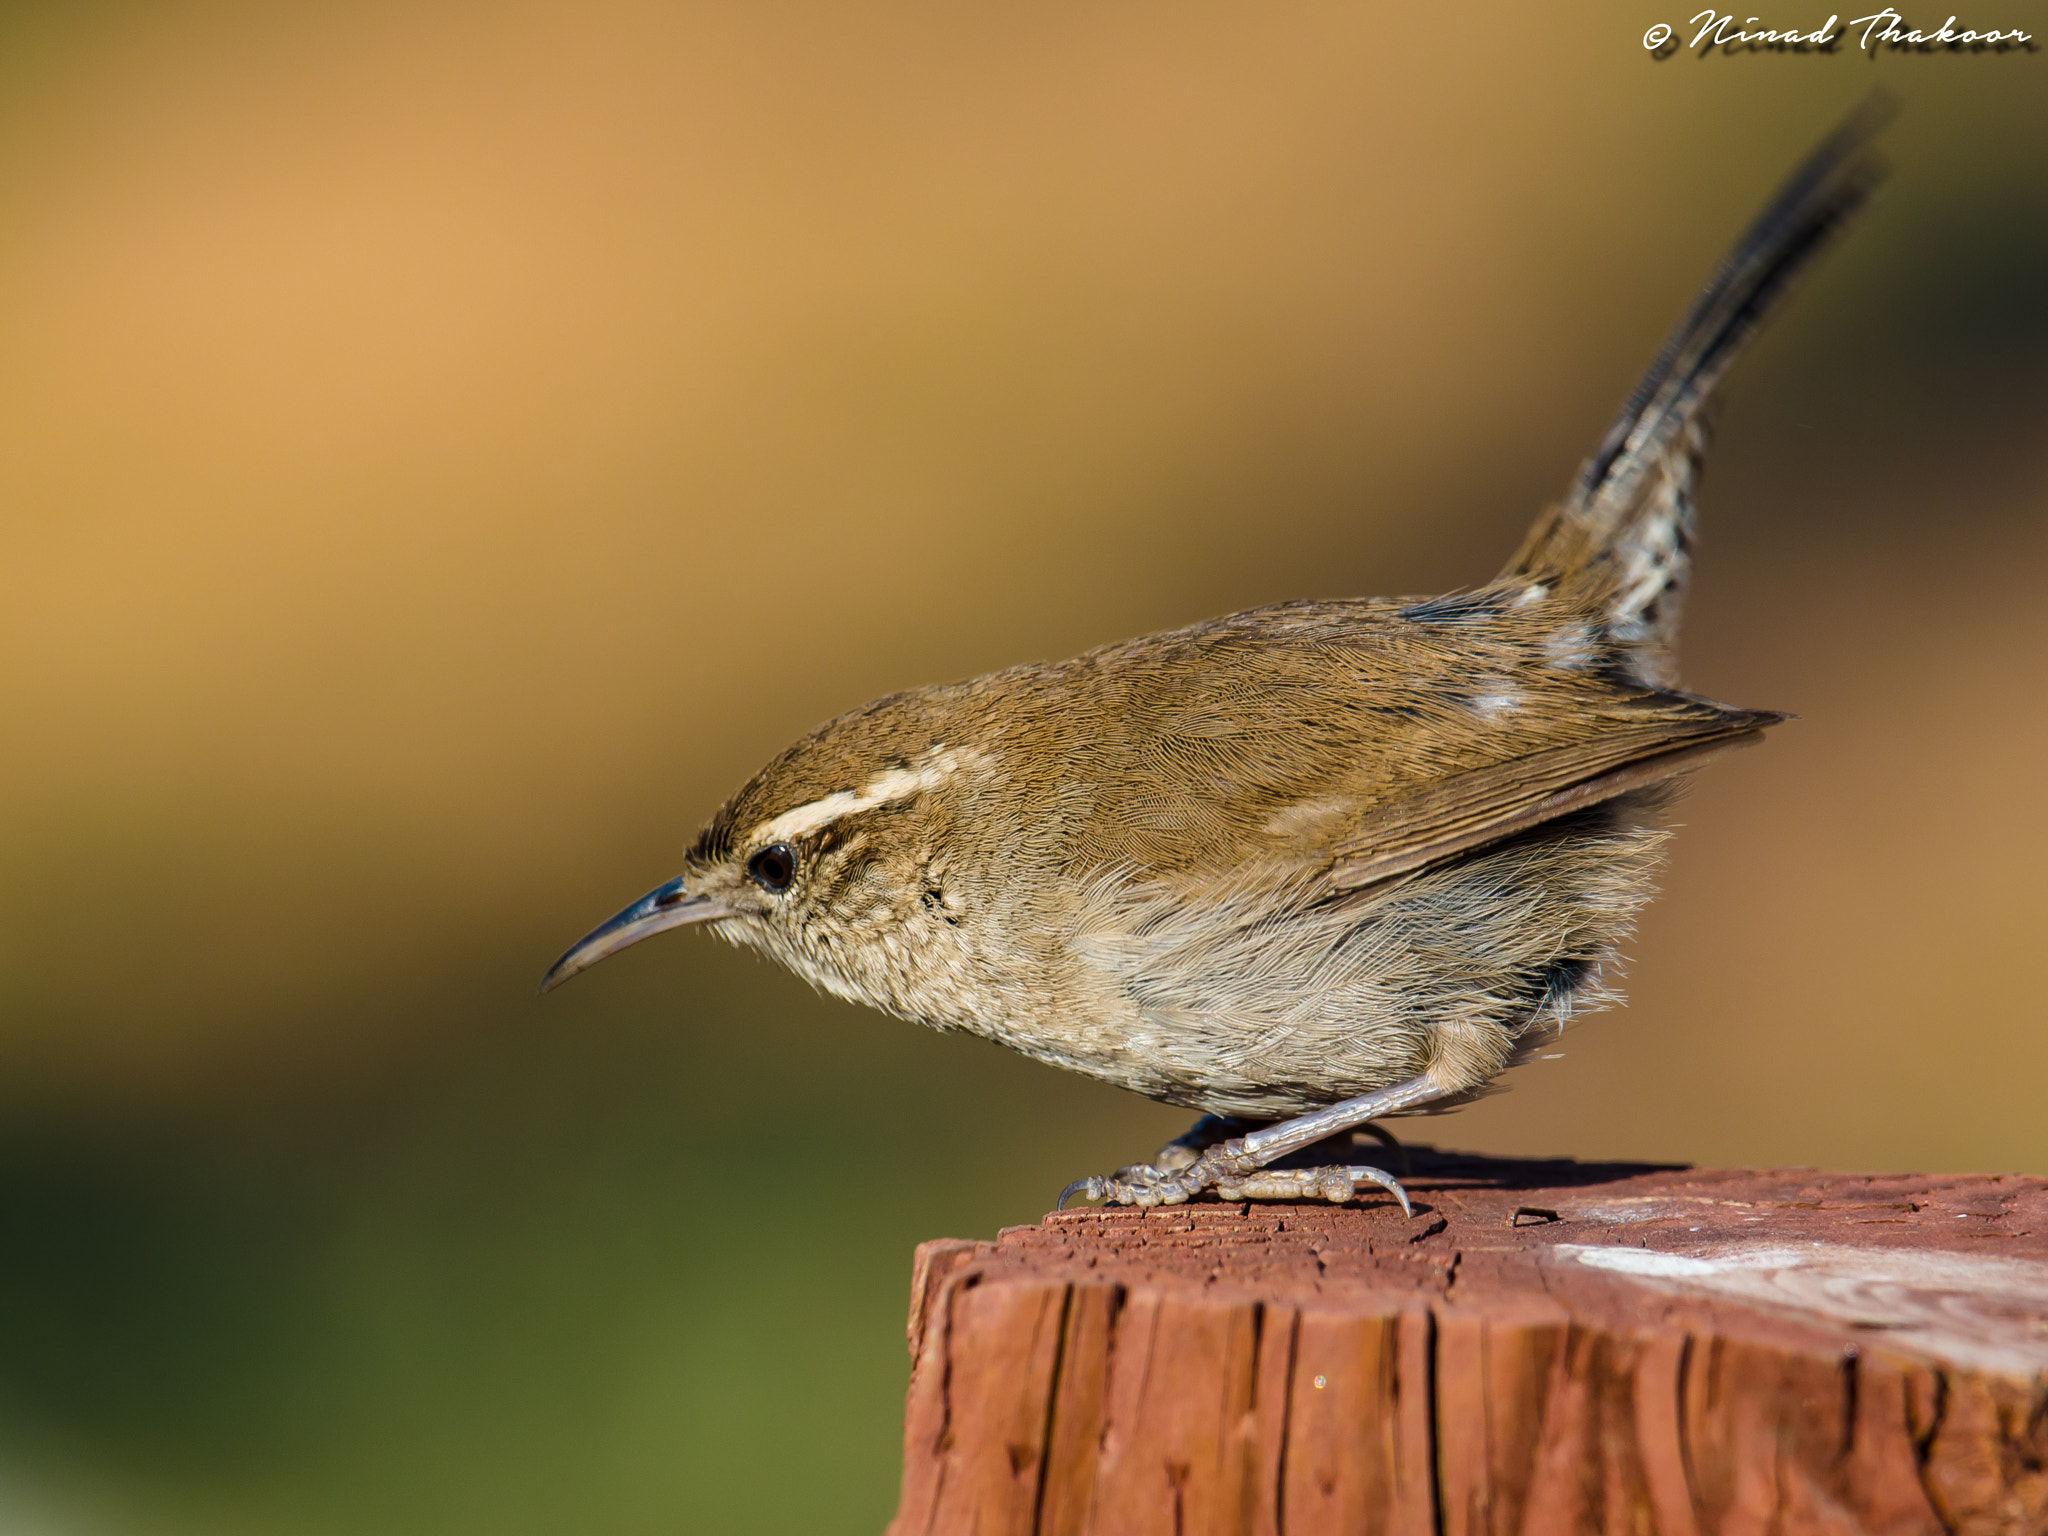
{"x":1241,"y":1167}
{"x":1182,"y":1152}
{"x":1233,"y":1174}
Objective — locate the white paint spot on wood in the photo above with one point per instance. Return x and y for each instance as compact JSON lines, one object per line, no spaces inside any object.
{"x":1978,"y":1311}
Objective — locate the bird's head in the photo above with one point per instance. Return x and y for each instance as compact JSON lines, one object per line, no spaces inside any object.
{"x":833,"y":859}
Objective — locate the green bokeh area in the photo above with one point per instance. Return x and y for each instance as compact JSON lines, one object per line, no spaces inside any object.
{"x":621,"y":1261}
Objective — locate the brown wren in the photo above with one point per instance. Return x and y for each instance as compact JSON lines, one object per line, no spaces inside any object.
{"x":1299,"y":867}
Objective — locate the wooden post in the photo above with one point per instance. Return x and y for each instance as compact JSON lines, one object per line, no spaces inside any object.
{"x":1547,"y":1347}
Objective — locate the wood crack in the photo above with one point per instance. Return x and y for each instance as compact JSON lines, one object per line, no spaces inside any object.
{"x":1684,"y":1368}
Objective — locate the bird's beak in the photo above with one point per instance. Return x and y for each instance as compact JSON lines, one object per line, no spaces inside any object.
{"x":663,"y":907}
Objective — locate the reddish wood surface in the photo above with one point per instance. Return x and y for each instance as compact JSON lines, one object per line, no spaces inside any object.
{"x":1547,"y":1347}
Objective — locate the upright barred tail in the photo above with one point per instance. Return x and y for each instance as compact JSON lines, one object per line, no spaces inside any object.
{"x":1622,"y":537}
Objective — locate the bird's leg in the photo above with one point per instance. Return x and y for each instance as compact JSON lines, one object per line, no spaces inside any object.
{"x":1236,"y":1168}
{"x":1189,"y":1145}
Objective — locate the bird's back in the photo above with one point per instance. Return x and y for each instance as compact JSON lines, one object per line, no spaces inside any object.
{"x":1287,"y":732}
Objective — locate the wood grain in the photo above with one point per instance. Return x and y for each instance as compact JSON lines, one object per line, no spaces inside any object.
{"x":1547,"y":1347}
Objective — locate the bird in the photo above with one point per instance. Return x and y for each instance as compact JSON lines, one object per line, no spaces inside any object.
{"x":1297,"y":868}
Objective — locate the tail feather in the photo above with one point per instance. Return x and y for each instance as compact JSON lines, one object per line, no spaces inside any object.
{"x":1622,"y":537}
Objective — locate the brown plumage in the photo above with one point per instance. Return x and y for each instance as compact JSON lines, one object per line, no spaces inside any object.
{"x":1360,"y":854}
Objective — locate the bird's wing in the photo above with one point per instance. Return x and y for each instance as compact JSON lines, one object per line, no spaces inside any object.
{"x":1482,"y":805}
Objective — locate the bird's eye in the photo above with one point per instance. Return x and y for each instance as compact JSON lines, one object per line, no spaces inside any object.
{"x":774,"y":867}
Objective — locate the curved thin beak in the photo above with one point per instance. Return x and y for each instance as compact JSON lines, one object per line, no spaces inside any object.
{"x":663,"y":907}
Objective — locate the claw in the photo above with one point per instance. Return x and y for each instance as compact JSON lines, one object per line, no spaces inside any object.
{"x":1387,"y":1139}
{"x":1090,"y":1187}
{"x":1385,"y":1181}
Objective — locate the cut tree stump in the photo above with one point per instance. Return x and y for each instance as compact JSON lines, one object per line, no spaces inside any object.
{"x":1547,"y":1346}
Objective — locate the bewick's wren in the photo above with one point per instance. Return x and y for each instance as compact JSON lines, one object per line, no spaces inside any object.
{"x":1330,"y":860}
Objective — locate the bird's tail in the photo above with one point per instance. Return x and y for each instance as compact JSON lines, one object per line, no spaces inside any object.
{"x":1621,"y":540}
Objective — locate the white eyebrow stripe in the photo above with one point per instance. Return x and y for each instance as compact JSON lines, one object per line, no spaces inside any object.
{"x":882,"y":789}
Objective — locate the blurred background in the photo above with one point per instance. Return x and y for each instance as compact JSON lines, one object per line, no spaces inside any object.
{"x":447,"y":447}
